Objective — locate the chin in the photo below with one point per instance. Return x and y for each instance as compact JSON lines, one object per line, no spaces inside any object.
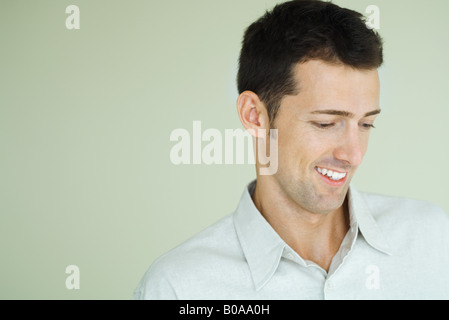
{"x":328,"y":207}
{"x":322,"y":202}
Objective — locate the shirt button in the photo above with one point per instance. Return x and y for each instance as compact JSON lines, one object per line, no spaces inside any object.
{"x":330,"y":285}
{"x":289,"y":256}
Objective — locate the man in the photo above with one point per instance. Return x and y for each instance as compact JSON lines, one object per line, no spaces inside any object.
{"x":308,"y":69}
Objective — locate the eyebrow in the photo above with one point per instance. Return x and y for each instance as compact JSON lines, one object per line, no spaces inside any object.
{"x":345,"y":113}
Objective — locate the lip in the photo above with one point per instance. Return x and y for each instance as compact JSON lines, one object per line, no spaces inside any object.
{"x":331,"y":182}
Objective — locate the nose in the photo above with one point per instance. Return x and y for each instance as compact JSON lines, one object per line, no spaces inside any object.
{"x":351,"y":147}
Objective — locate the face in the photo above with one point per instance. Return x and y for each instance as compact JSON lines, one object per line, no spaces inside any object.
{"x":323,"y":133}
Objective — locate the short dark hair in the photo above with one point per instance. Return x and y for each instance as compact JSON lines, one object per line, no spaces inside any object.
{"x":298,"y":31}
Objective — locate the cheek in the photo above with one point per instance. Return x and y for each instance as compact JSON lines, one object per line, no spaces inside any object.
{"x":302,"y":148}
{"x":364,"y":142}
{"x":319,"y":148}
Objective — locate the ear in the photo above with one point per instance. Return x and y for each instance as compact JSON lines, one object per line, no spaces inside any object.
{"x":252,"y":112}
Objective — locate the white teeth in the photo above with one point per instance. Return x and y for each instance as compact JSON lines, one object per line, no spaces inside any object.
{"x":336,"y":176}
{"x":331,"y":174}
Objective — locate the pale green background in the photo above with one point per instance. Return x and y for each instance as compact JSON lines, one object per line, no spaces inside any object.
{"x":86,"y":115}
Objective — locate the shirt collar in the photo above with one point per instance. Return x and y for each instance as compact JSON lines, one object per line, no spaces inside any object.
{"x":261,"y":245}
{"x":363,"y":219}
{"x":263,"y":248}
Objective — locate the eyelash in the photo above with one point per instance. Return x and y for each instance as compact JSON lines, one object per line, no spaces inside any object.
{"x":330,"y":125}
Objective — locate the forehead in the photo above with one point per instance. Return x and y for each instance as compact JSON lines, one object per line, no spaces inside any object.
{"x":326,"y":86}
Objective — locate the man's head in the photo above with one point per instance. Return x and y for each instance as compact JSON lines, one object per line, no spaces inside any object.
{"x":298,"y":31}
{"x":309,"y":69}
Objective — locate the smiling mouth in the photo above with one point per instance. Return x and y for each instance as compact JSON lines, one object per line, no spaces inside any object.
{"x":332,"y":177}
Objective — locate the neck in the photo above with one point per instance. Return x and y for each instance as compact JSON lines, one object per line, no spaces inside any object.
{"x":314,"y":236}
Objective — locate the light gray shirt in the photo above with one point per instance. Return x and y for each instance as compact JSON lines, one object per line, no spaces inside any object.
{"x":395,"y":248}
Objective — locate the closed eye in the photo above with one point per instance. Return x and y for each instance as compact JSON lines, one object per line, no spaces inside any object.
{"x":323,"y":125}
{"x":328,"y":125}
{"x":368,"y":126}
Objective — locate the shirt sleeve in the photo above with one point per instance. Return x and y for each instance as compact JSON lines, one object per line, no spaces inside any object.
{"x":155,"y":285}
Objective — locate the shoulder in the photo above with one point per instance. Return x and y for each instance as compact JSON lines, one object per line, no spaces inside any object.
{"x":412,"y":223}
{"x":190,"y":262}
{"x":384,"y":207}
